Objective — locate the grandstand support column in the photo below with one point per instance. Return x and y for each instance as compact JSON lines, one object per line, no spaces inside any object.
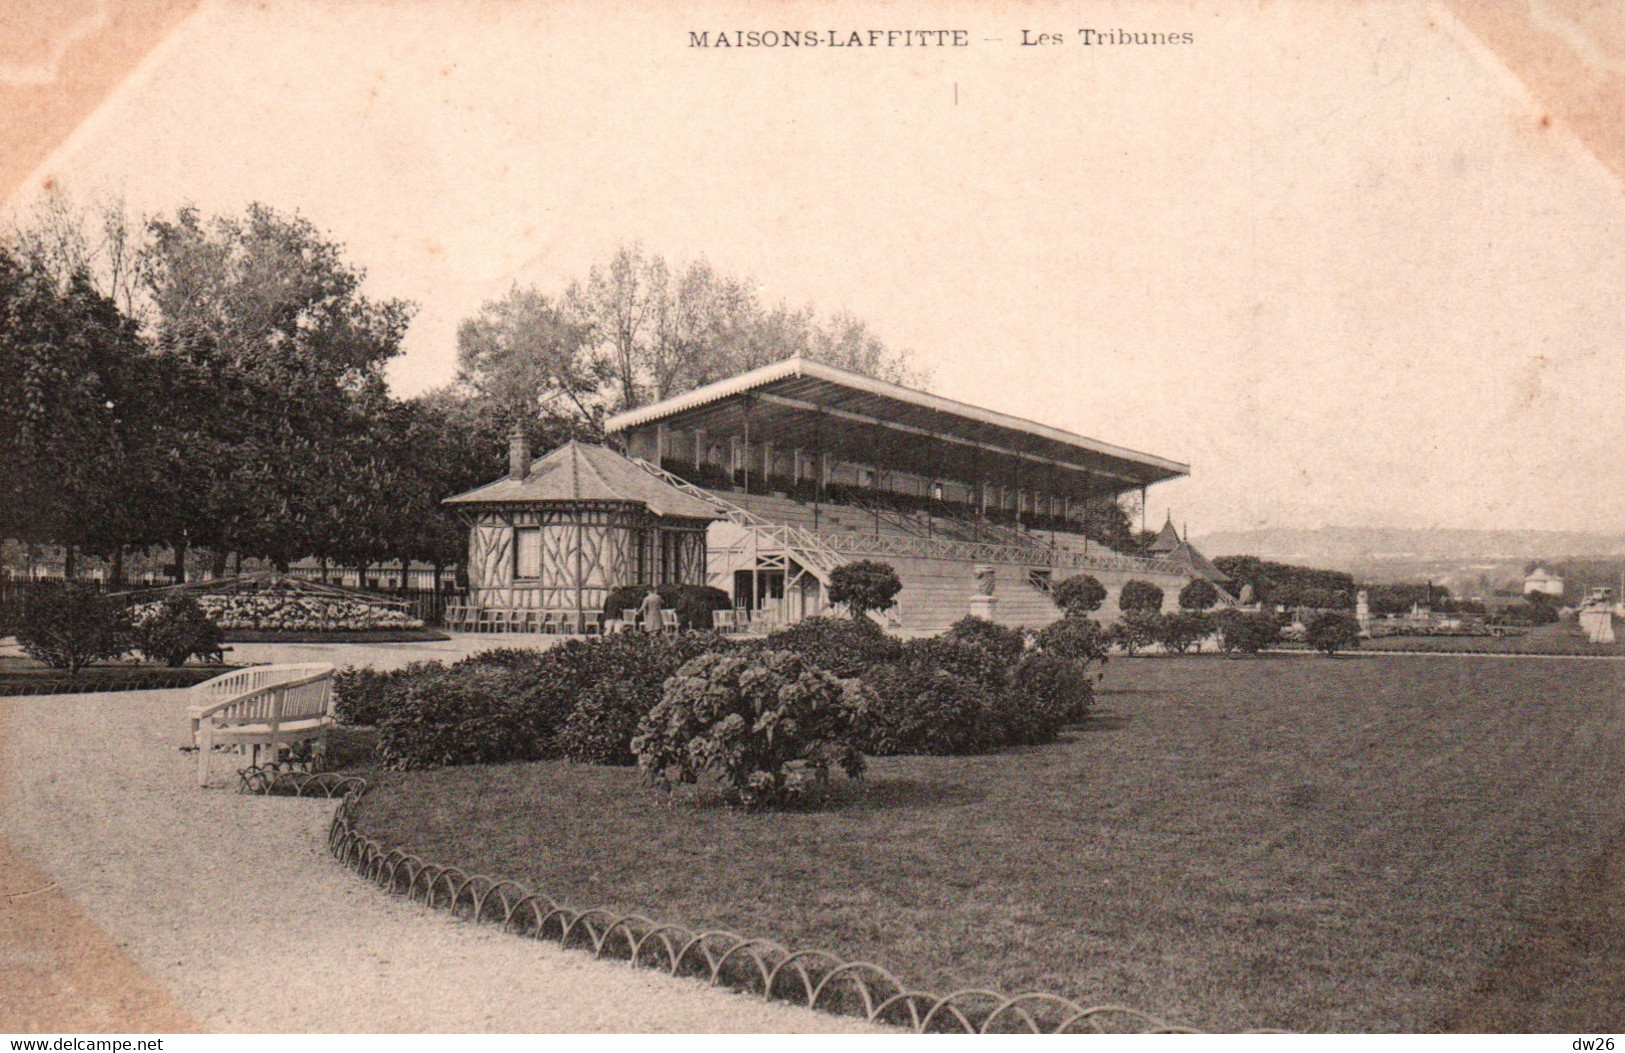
{"x":699,"y":449}
{"x":748,"y":401}
{"x":1142,"y":509}
{"x":823,"y":464}
{"x":795,"y":470}
{"x":1018,"y":492}
{"x":662,"y":443}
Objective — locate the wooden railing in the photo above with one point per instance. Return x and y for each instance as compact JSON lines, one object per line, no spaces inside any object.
{"x":810,"y":549}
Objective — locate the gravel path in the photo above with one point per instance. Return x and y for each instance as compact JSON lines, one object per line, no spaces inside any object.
{"x":232,"y":904}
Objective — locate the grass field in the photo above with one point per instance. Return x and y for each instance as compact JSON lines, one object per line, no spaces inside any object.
{"x":24,"y":676}
{"x":1359,"y":843}
{"x":1534,"y":641}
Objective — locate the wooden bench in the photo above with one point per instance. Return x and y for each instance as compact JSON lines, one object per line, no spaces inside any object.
{"x":261,"y":708}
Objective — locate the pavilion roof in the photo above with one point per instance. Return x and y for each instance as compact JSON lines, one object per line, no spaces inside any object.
{"x":1187,"y":554}
{"x":802,"y":403}
{"x":583,"y":472}
{"x":1167,"y":539}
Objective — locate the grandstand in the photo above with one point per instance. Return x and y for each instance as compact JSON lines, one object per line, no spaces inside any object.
{"x":809,"y":466}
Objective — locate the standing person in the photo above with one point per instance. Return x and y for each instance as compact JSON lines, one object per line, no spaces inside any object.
{"x":651,"y":611}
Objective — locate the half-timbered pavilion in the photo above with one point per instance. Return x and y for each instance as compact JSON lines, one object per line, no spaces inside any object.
{"x":556,"y":536}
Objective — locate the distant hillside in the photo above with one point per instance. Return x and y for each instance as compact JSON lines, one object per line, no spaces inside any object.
{"x":1381,"y":549}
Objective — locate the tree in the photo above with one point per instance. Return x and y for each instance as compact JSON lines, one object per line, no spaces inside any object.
{"x":1107,"y":523}
{"x":1180,"y":631}
{"x":80,"y":401}
{"x":265,"y":310}
{"x":1198,"y":595}
{"x":1079,"y":595}
{"x":1139,"y":595}
{"x":659,"y":329}
{"x":1245,"y":632}
{"x":1332,"y":631}
{"x":864,"y":586}
{"x":1137,"y":628}
{"x":530,"y":358}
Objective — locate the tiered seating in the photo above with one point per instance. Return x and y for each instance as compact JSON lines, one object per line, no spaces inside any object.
{"x":839,"y":518}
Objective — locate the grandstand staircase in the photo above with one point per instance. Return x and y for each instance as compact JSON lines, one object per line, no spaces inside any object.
{"x":760,"y":535}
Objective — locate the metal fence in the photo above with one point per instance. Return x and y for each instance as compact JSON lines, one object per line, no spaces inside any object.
{"x":816,"y":979}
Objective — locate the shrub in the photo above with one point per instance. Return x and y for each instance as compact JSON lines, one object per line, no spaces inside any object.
{"x":364,"y":695}
{"x":1332,"y":631}
{"x":1004,"y":644}
{"x":1136,"y":629}
{"x":1198,"y":595}
{"x":464,"y":714}
{"x":694,"y":604}
{"x":918,"y":708}
{"x":1179,"y":632}
{"x":1139,"y":596}
{"x":972,"y":661}
{"x":1246,"y":632}
{"x":606,"y":687}
{"x":68,"y":626}
{"x":176,"y":630}
{"x":1526,"y":614}
{"x":767,"y":725}
{"x":1080,"y":641}
{"x":582,"y":699}
{"x":1079,"y":595}
{"x":1051,"y":691}
{"x":864,"y":586}
{"x":843,"y":647}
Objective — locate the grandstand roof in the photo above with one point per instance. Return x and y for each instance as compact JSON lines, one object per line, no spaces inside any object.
{"x":579,"y":471}
{"x":800,"y":402}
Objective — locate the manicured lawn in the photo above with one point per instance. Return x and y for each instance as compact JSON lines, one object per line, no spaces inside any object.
{"x":24,"y":676}
{"x":1547,"y":639}
{"x":1299,"y":842}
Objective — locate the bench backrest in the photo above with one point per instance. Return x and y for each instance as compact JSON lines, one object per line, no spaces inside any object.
{"x":269,"y":694}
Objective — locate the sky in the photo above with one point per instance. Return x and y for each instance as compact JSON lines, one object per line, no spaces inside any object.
{"x":1334,"y":257}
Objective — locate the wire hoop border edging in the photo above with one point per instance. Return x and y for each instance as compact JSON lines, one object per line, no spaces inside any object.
{"x":815,"y":979}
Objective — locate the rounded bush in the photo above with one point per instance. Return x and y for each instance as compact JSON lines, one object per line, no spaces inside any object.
{"x":1333,"y":631}
{"x":176,"y":630}
{"x":1005,"y":645}
{"x":1198,"y":595}
{"x":767,"y":725}
{"x":1181,"y":631}
{"x":1139,"y":596}
{"x":1053,"y":692}
{"x":1081,"y":641}
{"x":863,"y":586}
{"x":1246,"y":632}
{"x":1137,"y":628}
{"x":843,"y":647}
{"x":920,"y":708}
{"x":67,"y":625}
{"x":1079,"y":595}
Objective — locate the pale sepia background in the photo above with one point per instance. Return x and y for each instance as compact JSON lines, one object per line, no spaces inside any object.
{"x":1359,"y":264}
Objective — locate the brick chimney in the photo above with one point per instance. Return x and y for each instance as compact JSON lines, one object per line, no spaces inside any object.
{"x":518,"y":455}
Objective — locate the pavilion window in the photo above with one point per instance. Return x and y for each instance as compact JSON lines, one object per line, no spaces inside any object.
{"x":527,"y":552}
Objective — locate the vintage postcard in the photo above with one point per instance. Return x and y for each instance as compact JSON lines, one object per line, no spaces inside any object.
{"x":862,"y":516}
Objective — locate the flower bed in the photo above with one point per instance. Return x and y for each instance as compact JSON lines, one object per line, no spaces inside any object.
{"x":290,"y":611}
